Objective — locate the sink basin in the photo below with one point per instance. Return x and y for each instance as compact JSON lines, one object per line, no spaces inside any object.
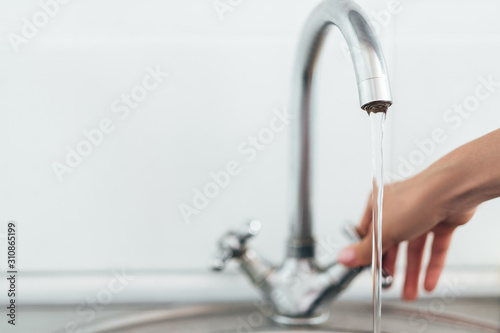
{"x":429,"y":316}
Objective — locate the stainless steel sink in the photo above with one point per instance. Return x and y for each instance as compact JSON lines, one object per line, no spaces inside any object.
{"x":429,"y":316}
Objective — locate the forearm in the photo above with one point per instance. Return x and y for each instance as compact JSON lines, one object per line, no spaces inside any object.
{"x":467,"y":176}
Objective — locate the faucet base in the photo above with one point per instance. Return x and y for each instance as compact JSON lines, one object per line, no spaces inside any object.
{"x":316,"y":319}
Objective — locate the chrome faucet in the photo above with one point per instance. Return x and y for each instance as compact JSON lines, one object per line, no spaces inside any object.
{"x":298,"y":289}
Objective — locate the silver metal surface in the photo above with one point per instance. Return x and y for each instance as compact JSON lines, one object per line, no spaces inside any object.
{"x":457,"y":316}
{"x":298,"y":289}
{"x":373,"y":88}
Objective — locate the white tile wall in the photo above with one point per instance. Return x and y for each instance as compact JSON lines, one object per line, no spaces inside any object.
{"x":119,"y":208}
{"x":443,"y":49}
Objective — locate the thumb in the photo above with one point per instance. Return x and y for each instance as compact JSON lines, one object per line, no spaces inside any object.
{"x":357,"y":255}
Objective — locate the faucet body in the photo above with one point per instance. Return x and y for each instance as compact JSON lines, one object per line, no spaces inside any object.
{"x":298,"y":288}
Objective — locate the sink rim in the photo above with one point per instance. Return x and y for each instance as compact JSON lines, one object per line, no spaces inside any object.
{"x":152,"y":314}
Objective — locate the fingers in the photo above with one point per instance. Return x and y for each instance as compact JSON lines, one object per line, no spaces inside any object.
{"x":389,"y":260}
{"x":440,"y":245}
{"x":366,"y":220}
{"x":413,"y":264}
{"x":357,"y":255}
{"x":361,"y":253}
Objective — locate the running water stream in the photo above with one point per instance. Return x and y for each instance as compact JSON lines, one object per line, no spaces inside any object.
{"x":377,"y":126}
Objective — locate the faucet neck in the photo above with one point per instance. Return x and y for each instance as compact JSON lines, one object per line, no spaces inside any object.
{"x":373,"y":88}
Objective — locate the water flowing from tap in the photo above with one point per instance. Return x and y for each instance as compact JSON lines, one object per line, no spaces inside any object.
{"x":377,"y":125}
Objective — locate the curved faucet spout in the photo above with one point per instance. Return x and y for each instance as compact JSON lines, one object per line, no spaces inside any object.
{"x":374,"y":96}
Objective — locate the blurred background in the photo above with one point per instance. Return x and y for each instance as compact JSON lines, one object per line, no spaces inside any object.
{"x":116,"y":115}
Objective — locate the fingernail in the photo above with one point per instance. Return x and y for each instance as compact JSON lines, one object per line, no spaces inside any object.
{"x":347,"y":256}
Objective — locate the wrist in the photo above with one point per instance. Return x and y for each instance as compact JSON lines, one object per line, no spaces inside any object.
{"x":447,"y":188}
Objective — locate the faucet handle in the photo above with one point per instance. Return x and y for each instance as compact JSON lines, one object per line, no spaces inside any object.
{"x":220,"y":259}
{"x":248,"y":230}
{"x":232,"y":244}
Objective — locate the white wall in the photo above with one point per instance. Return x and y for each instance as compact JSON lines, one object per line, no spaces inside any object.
{"x":119,"y":208}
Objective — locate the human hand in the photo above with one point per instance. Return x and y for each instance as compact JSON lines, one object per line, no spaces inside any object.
{"x":412,"y":210}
